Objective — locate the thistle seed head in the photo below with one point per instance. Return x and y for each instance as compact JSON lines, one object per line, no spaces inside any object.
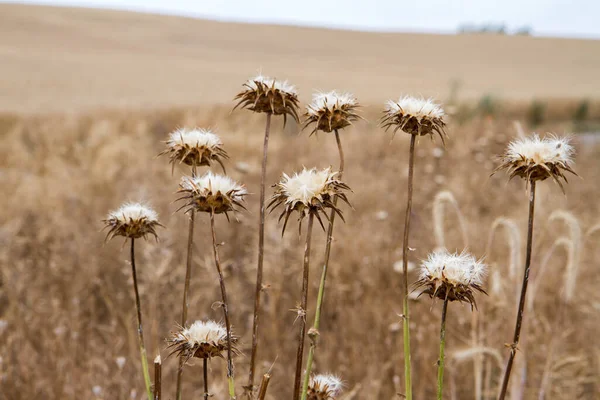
{"x":132,"y":220}
{"x":201,"y":340}
{"x":452,"y":276}
{"x":211,"y":193}
{"x":414,"y":116}
{"x":267,"y":95}
{"x":324,"y":387}
{"x":534,"y":158}
{"x":331,"y":111}
{"x":195,"y":147}
{"x":310,"y":191}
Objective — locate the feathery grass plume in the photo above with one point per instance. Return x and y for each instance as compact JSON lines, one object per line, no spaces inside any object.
{"x":134,"y":221}
{"x":331,"y":111}
{"x":203,"y":340}
{"x":533,"y":159}
{"x":324,"y":387}
{"x":211,"y":193}
{"x":195,"y":147}
{"x":573,"y":264}
{"x":309,"y":192}
{"x":441,"y":198}
{"x":267,"y":95}
{"x":417,"y":117}
{"x":513,"y":239}
{"x":264,"y":95}
{"x":450,"y":277}
{"x":536,"y":159}
{"x":414,"y":116}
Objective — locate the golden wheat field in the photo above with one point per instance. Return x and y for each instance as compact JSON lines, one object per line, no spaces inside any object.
{"x":87,"y":101}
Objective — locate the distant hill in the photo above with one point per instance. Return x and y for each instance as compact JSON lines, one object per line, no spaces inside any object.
{"x":68,"y":59}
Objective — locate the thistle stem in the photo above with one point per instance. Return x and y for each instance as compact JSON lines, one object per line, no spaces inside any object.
{"x":259,"y":268}
{"x":188,"y":276}
{"x":157,"y":377}
{"x":205,"y":372}
{"x":262,"y":391}
{"x":520,"y":311}
{"x":225,"y":307}
{"x":440,"y":383}
{"x":405,"y":312}
{"x":144,"y":358}
{"x":321,"y":294}
{"x":300,"y":353}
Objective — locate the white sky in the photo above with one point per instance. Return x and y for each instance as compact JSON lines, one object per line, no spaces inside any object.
{"x":569,"y":18}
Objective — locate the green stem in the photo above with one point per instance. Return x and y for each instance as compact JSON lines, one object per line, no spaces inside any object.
{"x":440,"y":383}
{"x":405,"y":312}
{"x":143,"y":356}
{"x":230,"y":378}
{"x":314,"y":333}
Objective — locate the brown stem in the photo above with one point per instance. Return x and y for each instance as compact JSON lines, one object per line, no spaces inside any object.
{"x":520,"y":311}
{"x":302,"y":311}
{"x":405,"y":312}
{"x":188,"y":276}
{"x":205,"y":372}
{"x":157,"y":377}
{"x":225,"y":304}
{"x":262,"y":391}
{"x":259,"y":268}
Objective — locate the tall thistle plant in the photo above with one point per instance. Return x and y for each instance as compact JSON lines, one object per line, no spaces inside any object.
{"x":262,"y":94}
{"x":533,"y":159}
{"x":417,"y":117}
{"x":310,"y":193}
{"x":194,"y":148}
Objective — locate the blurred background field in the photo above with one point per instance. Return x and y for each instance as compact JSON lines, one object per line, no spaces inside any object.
{"x":87,"y":98}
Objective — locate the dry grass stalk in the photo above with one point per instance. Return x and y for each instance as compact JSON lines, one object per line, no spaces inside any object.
{"x":133,"y":221}
{"x":533,"y":159}
{"x":310,"y":192}
{"x":264,"y":95}
{"x":450,"y":277}
{"x":329,"y":111}
{"x":442,"y":198}
{"x":157,"y":378}
{"x":264,"y":384}
{"x":417,"y":117}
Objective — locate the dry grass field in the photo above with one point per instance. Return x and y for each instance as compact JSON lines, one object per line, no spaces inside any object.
{"x":88,"y":99}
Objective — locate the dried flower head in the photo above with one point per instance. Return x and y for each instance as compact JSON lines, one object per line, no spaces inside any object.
{"x":534,"y":158}
{"x":264,"y":94}
{"x":211,"y":193}
{"x":195,"y":147}
{"x":331,"y":111}
{"x":414,"y":116}
{"x":310,"y":191}
{"x":201,"y":340}
{"x":324,"y":387}
{"x":452,"y":276}
{"x":132,"y":220}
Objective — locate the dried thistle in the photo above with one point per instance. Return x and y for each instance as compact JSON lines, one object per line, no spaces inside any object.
{"x":536,"y":159}
{"x":414,"y":116}
{"x":195,"y":147}
{"x":267,"y":95}
{"x":324,"y":387}
{"x":310,"y":191}
{"x":211,"y":193}
{"x":454,"y":277}
{"x":132,"y":220}
{"x":201,"y":340}
{"x":331,"y":111}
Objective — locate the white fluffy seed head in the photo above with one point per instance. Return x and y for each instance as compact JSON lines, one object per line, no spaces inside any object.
{"x":453,"y":269}
{"x":193,"y":138}
{"x":283,"y":86}
{"x":133,"y":212}
{"x":132,"y":220}
{"x":200,"y":332}
{"x":550,"y":149}
{"x":328,"y":101}
{"x":214,"y":183}
{"x":325,"y":386}
{"x":307,"y":185}
{"x":415,"y":107}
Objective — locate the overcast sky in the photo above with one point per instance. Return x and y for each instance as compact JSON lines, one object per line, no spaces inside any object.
{"x":570,"y":18}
